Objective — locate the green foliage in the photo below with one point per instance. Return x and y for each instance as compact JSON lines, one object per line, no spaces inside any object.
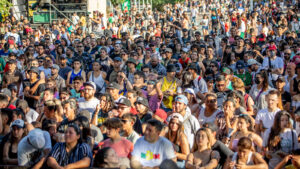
{"x":159,"y":4}
{"x":117,"y":2}
{"x":4,"y":7}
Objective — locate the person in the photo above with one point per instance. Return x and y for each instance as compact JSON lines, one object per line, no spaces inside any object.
{"x":97,"y":76}
{"x":108,"y":158}
{"x":12,"y":76}
{"x":76,"y":72}
{"x":129,"y":120}
{"x":102,"y":110}
{"x":52,"y":110}
{"x":121,"y":145}
{"x":221,"y":89}
{"x":89,"y":101}
{"x":284,"y":96}
{"x":265,"y":117}
{"x":280,"y":140}
{"x":199,"y":84}
{"x":244,"y":129}
{"x":10,"y":149}
{"x":69,"y":109}
{"x":192,"y":98}
{"x":114,"y":89}
{"x":210,"y":112}
{"x":245,"y":157}
{"x":60,"y":82}
{"x":201,"y":154}
{"x":30,"y":114}
{"x":72,"y":153}
{"x":77,"y":87}
{"x":178,"y":138}
{"x":190,"y":123}
{"x":151,"y":149}
{"x":153,"y":94}
{"x":37,"y":142}
{"x":142,"y":106}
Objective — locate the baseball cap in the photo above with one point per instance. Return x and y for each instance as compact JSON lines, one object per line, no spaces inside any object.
{"x":36,"y":138}
{"x":186,"y":50}
{"x":125,"y":102}
{"x":182,"y":99}
{"x":171,"y":68}
{"x":55,"y":66}
{"x":84,"y":113}
{"x":113,"y":85}
{"x":34,"y":69}
{"x":143,"y":101}
{"x":169,"y":50}
{"x":161,"y":114}
{"x":118,"y":59}
{"x":240,"y":65}
{"x":131,"y":60}
{"x":57,"y":42}
{"x":89,"y":83}
{"x":11,"y":61}
{"x":226,"y":70}
{"x":184,"y":30}
{"x":252,"y":62}
{"x":12,"y":86}
{"x":6,"y":91}
{"x":272,"y":47}
{"x":193,"y":66}
{"x":176,"y":115}
{"x":19,"y":123}
{"x":190,"y":91}
{"x":280,"y":78}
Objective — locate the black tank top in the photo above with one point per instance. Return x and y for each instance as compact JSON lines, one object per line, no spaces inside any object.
{"x":295,"y":85}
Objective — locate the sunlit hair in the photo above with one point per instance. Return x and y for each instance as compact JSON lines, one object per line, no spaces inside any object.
{"x":208,"y":135}
{"x":245,"y":143}
{"x":178,"y":132}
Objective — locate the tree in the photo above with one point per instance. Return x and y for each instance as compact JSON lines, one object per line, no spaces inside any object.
{"x":117,"y":2}
{"x":4,"y":7}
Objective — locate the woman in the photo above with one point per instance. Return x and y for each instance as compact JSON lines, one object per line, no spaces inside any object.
{"x":209,"y":113}
{"x":52,"y":110}
{"x":143,"y":109}
{"x":153,"y":95}
{"x":245,"y":157}
{"x":259,"y":91}
{"x":178,"y":138}
{"x":296,"y":99}
{"x":210,"y":83}
{"x":249,"y":103}
{"x":10,"y":148}
{"x":140,"y":52}
{"x":228,"y":122}
{"x":101,"y":112}
{"x":97,"y":76}
{"x":84,"y":125}
{"x":244,"y":129}
{"x":108,"y":158}
{"x":281,"y":139}
{"x":124,"y":83}
{"x":58,"y":52}
{"x":239,"y":102}
{"x":77,"y":71}
{"x":202,"y":155}
{"x":72,"y":153}
{"x":205,"y":23}
{"x":193,"y":103}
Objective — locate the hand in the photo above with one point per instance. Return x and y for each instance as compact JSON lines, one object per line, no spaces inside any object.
{"x":98,"y":108}
{"x":287,"y":158}
{"x":232,"y":164}
{"x":240,"y":166}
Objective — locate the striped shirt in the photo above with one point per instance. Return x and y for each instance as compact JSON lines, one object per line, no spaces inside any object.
{"x":64,"y":158}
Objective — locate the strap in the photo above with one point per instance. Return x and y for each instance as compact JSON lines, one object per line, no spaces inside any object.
{"x":93,"y":78}
{"x":261,"y":91}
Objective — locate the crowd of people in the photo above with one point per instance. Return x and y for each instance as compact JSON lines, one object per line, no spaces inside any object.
{"x":200,"y":85}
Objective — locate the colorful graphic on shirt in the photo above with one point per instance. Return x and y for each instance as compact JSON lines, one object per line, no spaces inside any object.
{"x":149,"y":156}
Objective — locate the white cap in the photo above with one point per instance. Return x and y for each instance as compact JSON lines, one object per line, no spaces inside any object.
{"x":36,"y":138}
{"x":176,"y":115}
{"x":190,"y":91}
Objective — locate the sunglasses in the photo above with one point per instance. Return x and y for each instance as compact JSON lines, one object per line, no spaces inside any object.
{"x":212,"y":101}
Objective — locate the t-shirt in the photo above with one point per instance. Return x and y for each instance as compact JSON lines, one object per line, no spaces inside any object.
{"x":88,"y":105}
{"x":123,"y":147}
{"x":266,"y":117}
{"x":31,"y":116}
{"x":152,"y":154}
{"x":133,"y":137}
{"x":32,"y":103}
{"x":204,"y":119}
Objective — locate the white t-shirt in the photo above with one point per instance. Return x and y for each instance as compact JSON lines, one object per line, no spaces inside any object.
{"x":266,"y":117}
{"x":31,"y":116}
{"x":152,"y":154}
{"x":203,"y":119}
{"x":88,"y":105}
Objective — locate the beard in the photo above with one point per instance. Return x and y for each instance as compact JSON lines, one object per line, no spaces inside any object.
{"x":88,"y":96}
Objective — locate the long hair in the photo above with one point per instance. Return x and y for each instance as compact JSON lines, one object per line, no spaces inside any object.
{"x":209,"y":137}
{"x":178,"y":133}
{"x":264,"y":75}
{"x":248,"y":121}
{"x":274,"y":137}
{"x":100,"y":157}
{"x":237,"y":94}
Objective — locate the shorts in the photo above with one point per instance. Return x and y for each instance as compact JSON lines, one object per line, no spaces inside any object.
{"x":205,"y":27}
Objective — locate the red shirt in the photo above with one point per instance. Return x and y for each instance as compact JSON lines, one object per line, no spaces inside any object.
{"x":123,"y":148}
{"x":133,"y":111}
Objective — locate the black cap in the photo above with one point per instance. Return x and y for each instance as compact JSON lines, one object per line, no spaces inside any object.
{"x":125,"y":102}
{"x":35,"y":70}
{"x":193,"y":66}
{"x":280,"y":78}
{"x":171,"y":68}
{"x":11,"y":61}
{"x":131,"y":60}
{"x":184,"y":30}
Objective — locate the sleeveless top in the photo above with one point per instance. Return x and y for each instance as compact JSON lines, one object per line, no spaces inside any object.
{"x":11,"y":154}
{"x":99,"y":81}
{"x":249,"y":161}
{"x":171,"y":86}
{"x":73,"y":75}
{"x":295,"y":85}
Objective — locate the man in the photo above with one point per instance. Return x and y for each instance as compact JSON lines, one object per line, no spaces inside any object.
{"x":286,"y":97}
{"x":121,"y":145}
{"x":112,"y":75}
{"x":169,"y":86}
{"x":46,"y":67}
{"x":69,"y":108}
{"x":169,"y":54}
{"x":114,"y":89}
{"x":129,"y":120}
{"x":209,"y":57}
{"x":265,"y":117}
{"x":89,"y":101}
{"x":32,"y":96}
{"x":254,"y":67}
{"x":30,"y":114}
{"x":60,"y":82}
{"x":218,"y":145}
{"x":12,"y":75}
{"x":190,"y":123}
{"x":131,"y":65}
{"x":200,"y":87}
{"x":221,"y":90}
{"x":64,"y":69}
{"x":84,"y":57}
{"x":228,"y":74}
{"x":185,"y":59}
{"x":155,"y":65}
{"x":139,"y":80}
{"x":243,"y":74}
{"x":151,"y":149}
{"x":77,"y":86}
{"x":34,"y":148}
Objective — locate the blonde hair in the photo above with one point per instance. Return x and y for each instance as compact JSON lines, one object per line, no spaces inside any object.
{"x":238,"y":84}
{"x":209,"y":137}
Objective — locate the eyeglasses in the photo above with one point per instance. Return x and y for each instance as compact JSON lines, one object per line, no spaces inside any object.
{"x":220,"y":85}
{"x":212,"y":66}
{"x":212,"y":101}
{"x":124,"y":121}
{"x":287,"y":54}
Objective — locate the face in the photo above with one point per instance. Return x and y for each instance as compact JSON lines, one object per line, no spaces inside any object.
{"x":50,"y":84}
{"x":221,"y":85}
{"x":127,"y":124}
{"x":211,"y":102}
{"x":17,"y":132}
{"x":272,"y":100}
{"x":103,"y":102}
{"x":131,"y":97}
{"x":77,"y":84}
{"x":11,"y":66}
{"x":284,"y":121}
{"x":47,"y":95}
{"x":113,"y":92}
{"x":179,"y":107}
{"x":280,"y":84}
{"x":174,"y":124}
{"x":54,"y":71}
{"x":68,"y":111}
{"x":89,"y":92}
{"x":96,"y":66}
{"x":154,"y":62}
{"x":243,"y":153}
{"x":151,"y":133}
{"x":33,"y":75}
{"x":111,"y":157}
{"x":202,"y":139}
{"x":111,"y":133}
{"x":141,"y":108}
{"x":138,"y":79}
{"x":77,"y":65}
{"x":228,"y":108}
{"x":242,"y":124}
{"x":71,"y":136}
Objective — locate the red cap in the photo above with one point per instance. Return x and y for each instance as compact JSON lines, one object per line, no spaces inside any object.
{"x":272,"y":47}
{"x":162,"y":114}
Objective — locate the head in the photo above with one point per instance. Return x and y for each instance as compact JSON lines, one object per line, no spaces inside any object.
{"x":229,"y":107}
{"x":211,"y":101}
{"x":76,"y":64}
{"x":106,"y":157}
{"x":128,"y":121}
{"x":153,"y":129}
{"x":282,"y":121}
{"x":273,"y":99}
{"x":175,"y":124}
{"x":221,"y":83}
{"x":18,"y":129}
{"x":69,"y":108}
{"x":244,"y":123}
{"x":77,"y":82}
{"x":48,"y":94}
{"x":89,"y":90}
{"x":73,"y":134}
{"x":51,"y":108}
{"x":139,"y":77}
{"x":113,"y":127}
{"x":132,"y":96}
{"x":202,"y":139}
{"x":180,"y":104}
{"x":244,"y":147}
